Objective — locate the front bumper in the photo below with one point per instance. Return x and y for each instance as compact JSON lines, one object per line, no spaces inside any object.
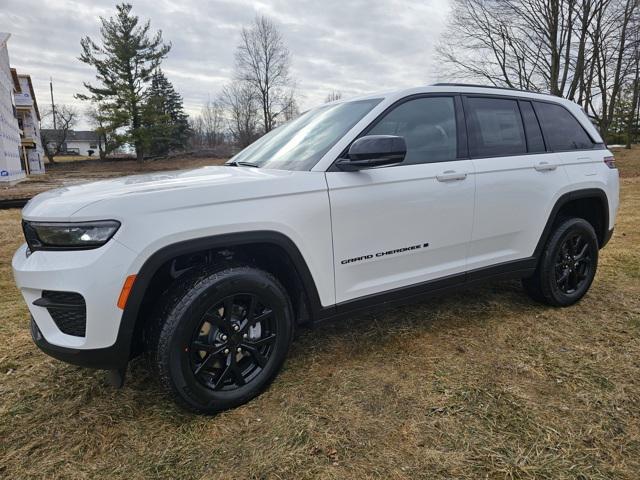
{"x":97,"y":275}
{"x":110,"y":358}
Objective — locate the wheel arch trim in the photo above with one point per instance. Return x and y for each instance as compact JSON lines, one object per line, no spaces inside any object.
{"x":563,"y":200}
{"x":152,"y":264}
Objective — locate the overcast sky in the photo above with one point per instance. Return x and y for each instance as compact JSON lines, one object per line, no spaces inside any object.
{"x":354,"y":46}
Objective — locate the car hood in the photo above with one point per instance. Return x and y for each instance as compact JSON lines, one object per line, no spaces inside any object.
{"x":212,"y":184}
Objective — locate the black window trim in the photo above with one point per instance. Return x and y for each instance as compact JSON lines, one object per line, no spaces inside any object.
{"x":461,"y":131}
{"x":596,"y":145}
{"x":462,"y":135}
{"x":524,"y":124}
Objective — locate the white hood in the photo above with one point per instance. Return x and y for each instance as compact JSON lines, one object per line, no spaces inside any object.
{"x":160,"y":190}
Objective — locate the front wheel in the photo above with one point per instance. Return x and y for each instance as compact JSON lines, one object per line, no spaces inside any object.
{"x":568,"y":265}
{"x":222,"y":337}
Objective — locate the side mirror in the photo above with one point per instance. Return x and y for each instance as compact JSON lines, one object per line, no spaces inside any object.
{"x":373,"y":151}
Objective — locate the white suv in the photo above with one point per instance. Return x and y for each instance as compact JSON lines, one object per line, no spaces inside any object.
{"x":353,"y":205}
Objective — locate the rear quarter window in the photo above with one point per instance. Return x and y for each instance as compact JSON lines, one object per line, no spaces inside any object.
{"x":562,"y":130}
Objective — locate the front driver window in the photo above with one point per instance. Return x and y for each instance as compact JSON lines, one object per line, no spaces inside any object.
{"x":428,"y":126}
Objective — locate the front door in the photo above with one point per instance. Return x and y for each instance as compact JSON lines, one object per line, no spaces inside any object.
{"x":407,"y":224}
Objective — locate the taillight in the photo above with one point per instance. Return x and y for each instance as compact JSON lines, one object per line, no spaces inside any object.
{"x":610,"y":161}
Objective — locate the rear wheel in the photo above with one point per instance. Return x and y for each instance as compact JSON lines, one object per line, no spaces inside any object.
{"x":568,"y":265}
{"x":222,"y":337}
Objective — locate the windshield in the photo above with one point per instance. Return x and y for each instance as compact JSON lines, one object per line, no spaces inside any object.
{"x":301,"y":143}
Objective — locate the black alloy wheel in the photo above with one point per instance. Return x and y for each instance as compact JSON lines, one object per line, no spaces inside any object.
{"x":233,"y":342}
{"x":573,"y":263}
{"x":567,"y":265}
{"x":221,"y":337}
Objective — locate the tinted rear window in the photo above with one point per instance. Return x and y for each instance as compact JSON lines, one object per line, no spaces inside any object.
{"x":495,"y":127}
{"x":561,"y":129}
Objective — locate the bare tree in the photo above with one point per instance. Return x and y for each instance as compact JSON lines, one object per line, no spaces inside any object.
{"x":613,"y":59}
{"x":196,"y":127}
{"x":487,"y":48}
{"x":513,"y":43}
{"x":213,"y":122}
{"x":632,"y":113}
{"x":333,"y":96}
{"x":292,"y":111}
{"x":263,"y":61}
{"x":208,"y":129}
{"x":53,"y":141}
{"x":578,"y":49}
{"x":242,"y":104}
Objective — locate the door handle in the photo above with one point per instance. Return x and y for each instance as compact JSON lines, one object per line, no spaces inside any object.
{"x":450,"y":176}
{"x":545,"y":167}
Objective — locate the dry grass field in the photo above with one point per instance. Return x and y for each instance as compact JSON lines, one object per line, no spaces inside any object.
{"x":480,"y":384}
{"x":74,"y":170}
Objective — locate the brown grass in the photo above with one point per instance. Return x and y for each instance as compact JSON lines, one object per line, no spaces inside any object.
{"x":81,"y":170}
{"x":481,"y":384}
{"x":71,"y":158}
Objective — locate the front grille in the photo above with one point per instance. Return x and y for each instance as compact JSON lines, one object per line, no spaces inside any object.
{"x":67,"y":309}
{"x":64,"y":298}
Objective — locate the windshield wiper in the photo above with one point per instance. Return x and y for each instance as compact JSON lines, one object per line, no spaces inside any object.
{"x":240,"y":163}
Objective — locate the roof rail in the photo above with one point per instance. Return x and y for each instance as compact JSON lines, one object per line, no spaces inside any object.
{"x":445,"y":84}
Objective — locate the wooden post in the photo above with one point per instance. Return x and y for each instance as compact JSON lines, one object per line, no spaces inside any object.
{"x":26,"y":160}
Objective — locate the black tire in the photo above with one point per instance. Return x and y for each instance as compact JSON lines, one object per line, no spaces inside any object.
{"x":194,"y":364}
{"x":567,"y":266}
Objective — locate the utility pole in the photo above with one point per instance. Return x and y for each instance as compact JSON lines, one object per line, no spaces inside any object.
{"x":53,"y":105}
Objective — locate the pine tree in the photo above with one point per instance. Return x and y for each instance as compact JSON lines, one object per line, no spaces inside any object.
{"x":108,"y":122}
{"x":165,"y":123}
{"x":124,"y":62}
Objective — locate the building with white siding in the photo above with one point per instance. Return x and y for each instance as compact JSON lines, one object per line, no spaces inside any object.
{"x":77,"y":142}
{"x":32,"y":153}
{"x":11,"y":169}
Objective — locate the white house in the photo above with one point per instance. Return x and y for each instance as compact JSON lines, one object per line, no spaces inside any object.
{"x":11,"y":169}
{"x":82,"y":141}
{"x":78,"y":142}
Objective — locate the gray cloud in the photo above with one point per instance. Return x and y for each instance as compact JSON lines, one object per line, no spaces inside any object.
{"x":355,"y":46}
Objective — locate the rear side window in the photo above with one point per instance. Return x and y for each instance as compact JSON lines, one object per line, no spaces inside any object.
{"x":428,"y":126}
{"x":495,"y":127}
{"x":561,"y":129}
{"x":535,"y":142}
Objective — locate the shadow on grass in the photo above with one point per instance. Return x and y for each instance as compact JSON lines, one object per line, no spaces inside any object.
{"x":363,"y":334}
{"x":367,"y":332}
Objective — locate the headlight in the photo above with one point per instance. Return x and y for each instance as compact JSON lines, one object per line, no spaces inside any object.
{"x":66,"y":236}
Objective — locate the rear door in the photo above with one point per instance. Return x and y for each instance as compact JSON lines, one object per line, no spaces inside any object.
{"x":516,"y":179}
{"x":407,"y":224}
